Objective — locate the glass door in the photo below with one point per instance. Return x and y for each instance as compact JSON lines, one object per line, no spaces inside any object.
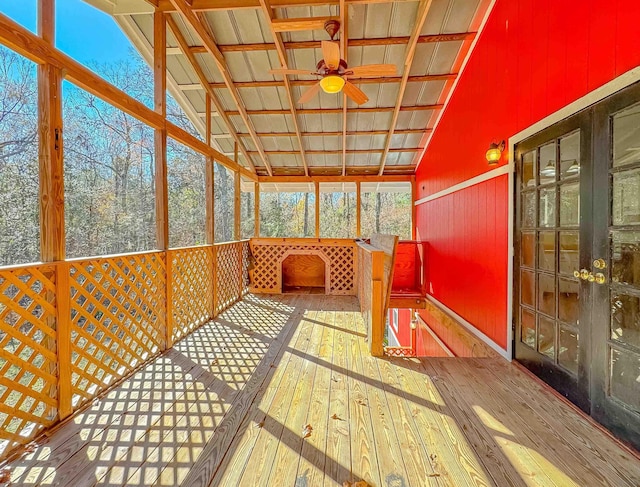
{"x":615,"y":387}
{"x":552,"y":311}
{"x":577,"y":312}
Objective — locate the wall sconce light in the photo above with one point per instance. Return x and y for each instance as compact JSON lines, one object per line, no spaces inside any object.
{"x":494,"y":154}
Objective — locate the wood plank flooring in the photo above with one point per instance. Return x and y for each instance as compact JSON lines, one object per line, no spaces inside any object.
{"x":227,"y":407}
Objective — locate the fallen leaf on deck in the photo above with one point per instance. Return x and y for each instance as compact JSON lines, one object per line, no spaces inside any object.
{"x":433,"y":475}
{"x":31,"y":447}
{"x":306,"y":432}
{"x":359,"y":483}
{"x":5,"y":475}
{"x":335,"y":416}
{"x":260,"y":424}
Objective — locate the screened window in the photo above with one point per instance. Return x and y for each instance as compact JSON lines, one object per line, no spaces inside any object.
{"x":247,"y":209}
{"x":386,"y":208}
{"x":187,"y":195}
{"x":337,"y":210}
{"x":287,"y":210}
{"x":19,"y":197}
{"x":224,"y":203}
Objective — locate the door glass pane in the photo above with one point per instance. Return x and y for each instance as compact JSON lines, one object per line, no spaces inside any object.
{"x":528,"y":210}
{"x":528,"y":328}
{"x":547,"y":207}
{"x":546,"y":337}
{"x":527,"y":288}
{"x":528,"y":249}
{"x":547,"y":163}
{"x":626,"y":198}
{"x":547,"y":251}
{"x":547,"y":294}
{"x":626,"y":136}
{"x":568,"y":301}
{"x":569,"y":252}
{"x":625,"y":319}
{"x":570,"y":156}
{"x":625,"y":257}
{"x":528,"y":169}
{"x":568,"y":349}
{"x":570,"y":205}
{"x":624,"y":379}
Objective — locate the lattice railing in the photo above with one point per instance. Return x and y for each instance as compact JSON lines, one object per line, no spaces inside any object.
{"x":191,"y":288}
{"x":230,"y":273}
{"x":28,"y":361}
{"x":268,"y":255}
{"x":118,"y":318}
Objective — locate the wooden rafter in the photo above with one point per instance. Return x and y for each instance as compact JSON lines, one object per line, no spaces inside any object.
{"x":423,"y":10}
{"x":336,"y":179}
{"x":205,"y":5}
{"x":334,"y":152}
{"x":327,"y":111}
{"x":201,"y":31}
{"x":207,"y":87}
{"x":331,"y":134}
{"x":284,"y":61}
{"x":344,"y":33}
{"x":377,"y":41}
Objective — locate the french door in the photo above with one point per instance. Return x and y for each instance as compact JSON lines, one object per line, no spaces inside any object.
{"x":577,"y":279}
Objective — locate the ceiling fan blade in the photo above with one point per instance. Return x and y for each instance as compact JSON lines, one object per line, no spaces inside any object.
{"x":355,"y":93}
{"x":373,"y":70}
{"x":331,"y":54}
{"x":283,"y":71}
{"x":310,"y":93}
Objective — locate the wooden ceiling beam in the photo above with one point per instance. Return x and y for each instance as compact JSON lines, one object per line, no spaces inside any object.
{"x":423,"y":10}
{"x":207,"y":5}
{"x":334,"y":152}
{"x":331,"y":134}
{"x":355,"y":81}
{"x":335,"y":179}
{"x":327,"y":111}
{"x":284,"y":61}
{"x":207,"y":87}
{"x":203,"y":33}
{"x":379,"y":41}
{"x":344,"y":32}
{"x":293,"y":25}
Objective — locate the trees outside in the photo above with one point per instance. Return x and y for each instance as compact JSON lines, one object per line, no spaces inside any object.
{"x":386,"y":208}
{"x":224,"y":203}
{"x":247,"y":210}
{"x":19,"y":206}
{"x":287,"y":213}
{"x":338,"y":210}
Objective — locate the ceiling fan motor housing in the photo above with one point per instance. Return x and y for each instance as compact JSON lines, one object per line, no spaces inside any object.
{"x":323,"y":69}
{"x":332,"y":27}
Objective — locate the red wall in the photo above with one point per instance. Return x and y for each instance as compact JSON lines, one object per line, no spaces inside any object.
{"x":532,"y":58}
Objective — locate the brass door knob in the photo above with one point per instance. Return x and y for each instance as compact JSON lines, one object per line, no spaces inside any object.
{"x":584,"y":274}
{"x":591,"y":277}
{"x":576,"y":274}
{"x":599,"y":264}
{"x":599,"y":278}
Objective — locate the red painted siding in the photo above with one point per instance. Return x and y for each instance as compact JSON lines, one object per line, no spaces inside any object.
{"x":533,"y":58}
{"x":404,"y":326}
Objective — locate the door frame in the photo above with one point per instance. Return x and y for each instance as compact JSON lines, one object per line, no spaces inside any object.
{"x":606,"y":90}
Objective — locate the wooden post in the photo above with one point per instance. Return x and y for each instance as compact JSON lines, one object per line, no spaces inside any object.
{"x":209,"y":182}
{"x":317,"y":185}
{"x":414,"y":194}
{"x":160,"y":142}
{"x":236,"y":198}
{"x":52,"y":236}
{"x":256,"y":209}
{"x":358,"y":210}
{"x":376,"y":334}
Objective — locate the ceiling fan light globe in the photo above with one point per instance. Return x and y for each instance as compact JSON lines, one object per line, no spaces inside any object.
{"x":332,"y":84}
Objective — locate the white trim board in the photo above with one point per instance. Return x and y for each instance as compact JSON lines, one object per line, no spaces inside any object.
{"x":494,"y":173}
{"x":470,"y":328}
{"x":626,"y":79}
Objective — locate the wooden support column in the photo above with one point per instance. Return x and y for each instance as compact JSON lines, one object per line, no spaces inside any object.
{"x":414,"y":210}
{"x":317,"y":185}
{"x":358,"y":210}
{"x":209,"y":182}
{"x":237,"y":198}
{"x":256,"y":209}
{"x":52,"y":235}
{"x":160,"y":146}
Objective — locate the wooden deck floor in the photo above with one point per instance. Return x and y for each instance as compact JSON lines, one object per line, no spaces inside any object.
{"x":228,"y":405}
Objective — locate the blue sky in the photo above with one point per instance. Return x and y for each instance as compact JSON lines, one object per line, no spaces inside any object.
{"x":83,"y":32}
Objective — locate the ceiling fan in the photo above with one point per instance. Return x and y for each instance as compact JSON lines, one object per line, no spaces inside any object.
{"x":335,"y":72}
